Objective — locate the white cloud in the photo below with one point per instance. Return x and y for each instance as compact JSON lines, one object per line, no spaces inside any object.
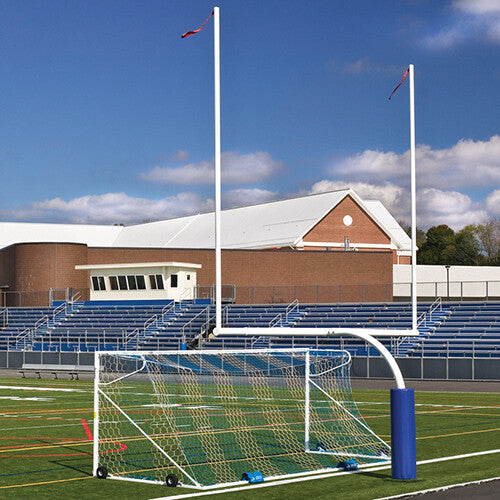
{"x":434,"y":206}
{"x":109,"y":208}
{"x":478,"y":7}
{"x":236,"y":169}
{"x":449,"y":207}
{"x":493,"y":203}
{"x":181,"y":155}
{"x":389,"y":194}
{"x":245,"y":197}
{"x":366,"y":65}
{"x":469,"y":19}
{"x":466,"y":164}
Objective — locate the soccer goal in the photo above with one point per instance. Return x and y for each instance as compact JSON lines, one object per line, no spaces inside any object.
{"x":206,"y":419}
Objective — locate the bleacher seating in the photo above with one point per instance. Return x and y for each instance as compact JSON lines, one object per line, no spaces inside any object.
{"x":471,"y":329}
{"x":462,"y":329}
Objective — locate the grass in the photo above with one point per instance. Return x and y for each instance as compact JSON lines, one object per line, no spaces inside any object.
{"x":45,"y":453}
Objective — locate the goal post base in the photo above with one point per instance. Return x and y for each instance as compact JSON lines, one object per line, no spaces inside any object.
{"x":403,"y":438}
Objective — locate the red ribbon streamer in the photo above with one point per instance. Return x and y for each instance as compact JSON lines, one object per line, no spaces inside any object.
{"x":189,"y":33}
{"x":400,"y":83}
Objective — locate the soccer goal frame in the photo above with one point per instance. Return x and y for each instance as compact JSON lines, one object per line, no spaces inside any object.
{"x":323,"y":427}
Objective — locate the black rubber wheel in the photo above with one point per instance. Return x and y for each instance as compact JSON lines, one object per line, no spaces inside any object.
{"x":101,"y":473}
{"x":172,"y":481}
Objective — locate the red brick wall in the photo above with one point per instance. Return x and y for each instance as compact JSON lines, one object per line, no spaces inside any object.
{"x":331,"y":228}
{"x":307,"y":275}
{"x":37,"y":265}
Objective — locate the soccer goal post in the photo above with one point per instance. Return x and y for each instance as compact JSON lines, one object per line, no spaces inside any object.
{"x":206,"y":419}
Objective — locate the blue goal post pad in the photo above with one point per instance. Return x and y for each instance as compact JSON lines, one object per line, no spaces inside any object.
{"x":348,"y":465}
{"x":253,"y":477}
{"x":403,"y":435}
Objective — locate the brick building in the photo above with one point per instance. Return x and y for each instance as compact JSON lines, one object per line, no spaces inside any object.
{"x":327,"y":247}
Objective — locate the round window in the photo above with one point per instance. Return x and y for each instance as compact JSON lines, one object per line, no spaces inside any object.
{"x":347,"y":220}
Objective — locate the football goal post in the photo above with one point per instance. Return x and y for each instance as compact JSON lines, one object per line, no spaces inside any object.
{"x":207,"y":419}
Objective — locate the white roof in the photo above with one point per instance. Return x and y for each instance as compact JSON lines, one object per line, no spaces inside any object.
{"x":278,"y":223}
{"x":140,"y":265}
{"x":398,"y":236}
{"x":268,"y":225}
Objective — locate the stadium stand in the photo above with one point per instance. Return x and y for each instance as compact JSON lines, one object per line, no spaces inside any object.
{"x":460,"y":329}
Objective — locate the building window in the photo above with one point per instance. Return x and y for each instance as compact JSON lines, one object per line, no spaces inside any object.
{"x":113,"y":282}
{"x":141,"y":282}
{"x":156,"y":281}
{"x":173,"y":281}
{"x":132,"y":283}
{"x":159,"y":282}
{"x":98,"y":283}
{"x":122,"y":282}
{"x":188,"y":277}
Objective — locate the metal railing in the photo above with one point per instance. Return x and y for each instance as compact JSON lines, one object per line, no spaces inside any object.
{"x":426,"y":316}
{"x":4,"y":317}
{"x":228,"y":292}
{"x":451,"y":290}
{"x":25,"y":339}
{"x":59,"y":312}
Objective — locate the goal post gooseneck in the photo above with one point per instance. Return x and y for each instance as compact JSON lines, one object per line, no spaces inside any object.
{"x":402,"y":399}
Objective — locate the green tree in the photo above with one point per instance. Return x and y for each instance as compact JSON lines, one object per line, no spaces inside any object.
{"x":421,"y":236}
{"x":439,"y":247}
{"x":468,"y":247}
{"x":489,"y":238}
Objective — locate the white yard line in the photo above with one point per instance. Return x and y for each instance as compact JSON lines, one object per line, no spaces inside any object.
{"x":320,"y":476}
{"x":19,"y":398}
{"x":31,"y":388}
{"x":79,"y":424}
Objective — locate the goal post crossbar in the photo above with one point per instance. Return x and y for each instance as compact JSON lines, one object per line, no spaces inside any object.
{"x":315,"y":332}
{"x":365,"y":334}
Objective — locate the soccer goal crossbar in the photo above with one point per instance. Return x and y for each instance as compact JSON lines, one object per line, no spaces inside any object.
{"x":206,"y":419}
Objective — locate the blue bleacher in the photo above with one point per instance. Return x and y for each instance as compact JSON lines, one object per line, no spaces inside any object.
{"x":465,"y":329}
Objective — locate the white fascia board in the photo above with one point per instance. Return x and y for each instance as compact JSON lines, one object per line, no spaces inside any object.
{"x":389,"y":246}
{"x":377,"y":221}
{"x":401,"y":244}
{"x":259,"y":245}
{"x":133,"y":265}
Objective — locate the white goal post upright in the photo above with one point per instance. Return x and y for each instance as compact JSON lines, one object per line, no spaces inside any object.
{"x":206,"y":419}
{"x":402,"y":408}
{"x":217,"y":172}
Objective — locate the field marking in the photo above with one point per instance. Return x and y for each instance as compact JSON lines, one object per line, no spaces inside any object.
{"x":31,"y":388}
{"x":87,"y":430}
{"x":263,"y":485}
{"x":58,"y":444}
{"x":440,"y":488}
{"x":320,"y":476}
{"x":41,"y":426}
{"x":45,"y":410}
{"x":19,"y":398}
{"x":46,"y":482}
{"x":458,"y":433}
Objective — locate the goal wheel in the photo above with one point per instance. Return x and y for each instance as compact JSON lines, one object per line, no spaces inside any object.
{"x":172,"y":481}
{"x":101,"y":473}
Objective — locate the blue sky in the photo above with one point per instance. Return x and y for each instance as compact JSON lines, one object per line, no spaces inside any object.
{"x":106,"y":115}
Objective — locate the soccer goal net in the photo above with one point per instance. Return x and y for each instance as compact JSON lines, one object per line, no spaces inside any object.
{"x":206,"y":419}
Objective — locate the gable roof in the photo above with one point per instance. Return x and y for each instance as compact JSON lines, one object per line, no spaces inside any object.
{"x":266,"y":225}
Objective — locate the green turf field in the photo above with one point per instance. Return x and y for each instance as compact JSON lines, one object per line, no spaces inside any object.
{"x":45,"y":451}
